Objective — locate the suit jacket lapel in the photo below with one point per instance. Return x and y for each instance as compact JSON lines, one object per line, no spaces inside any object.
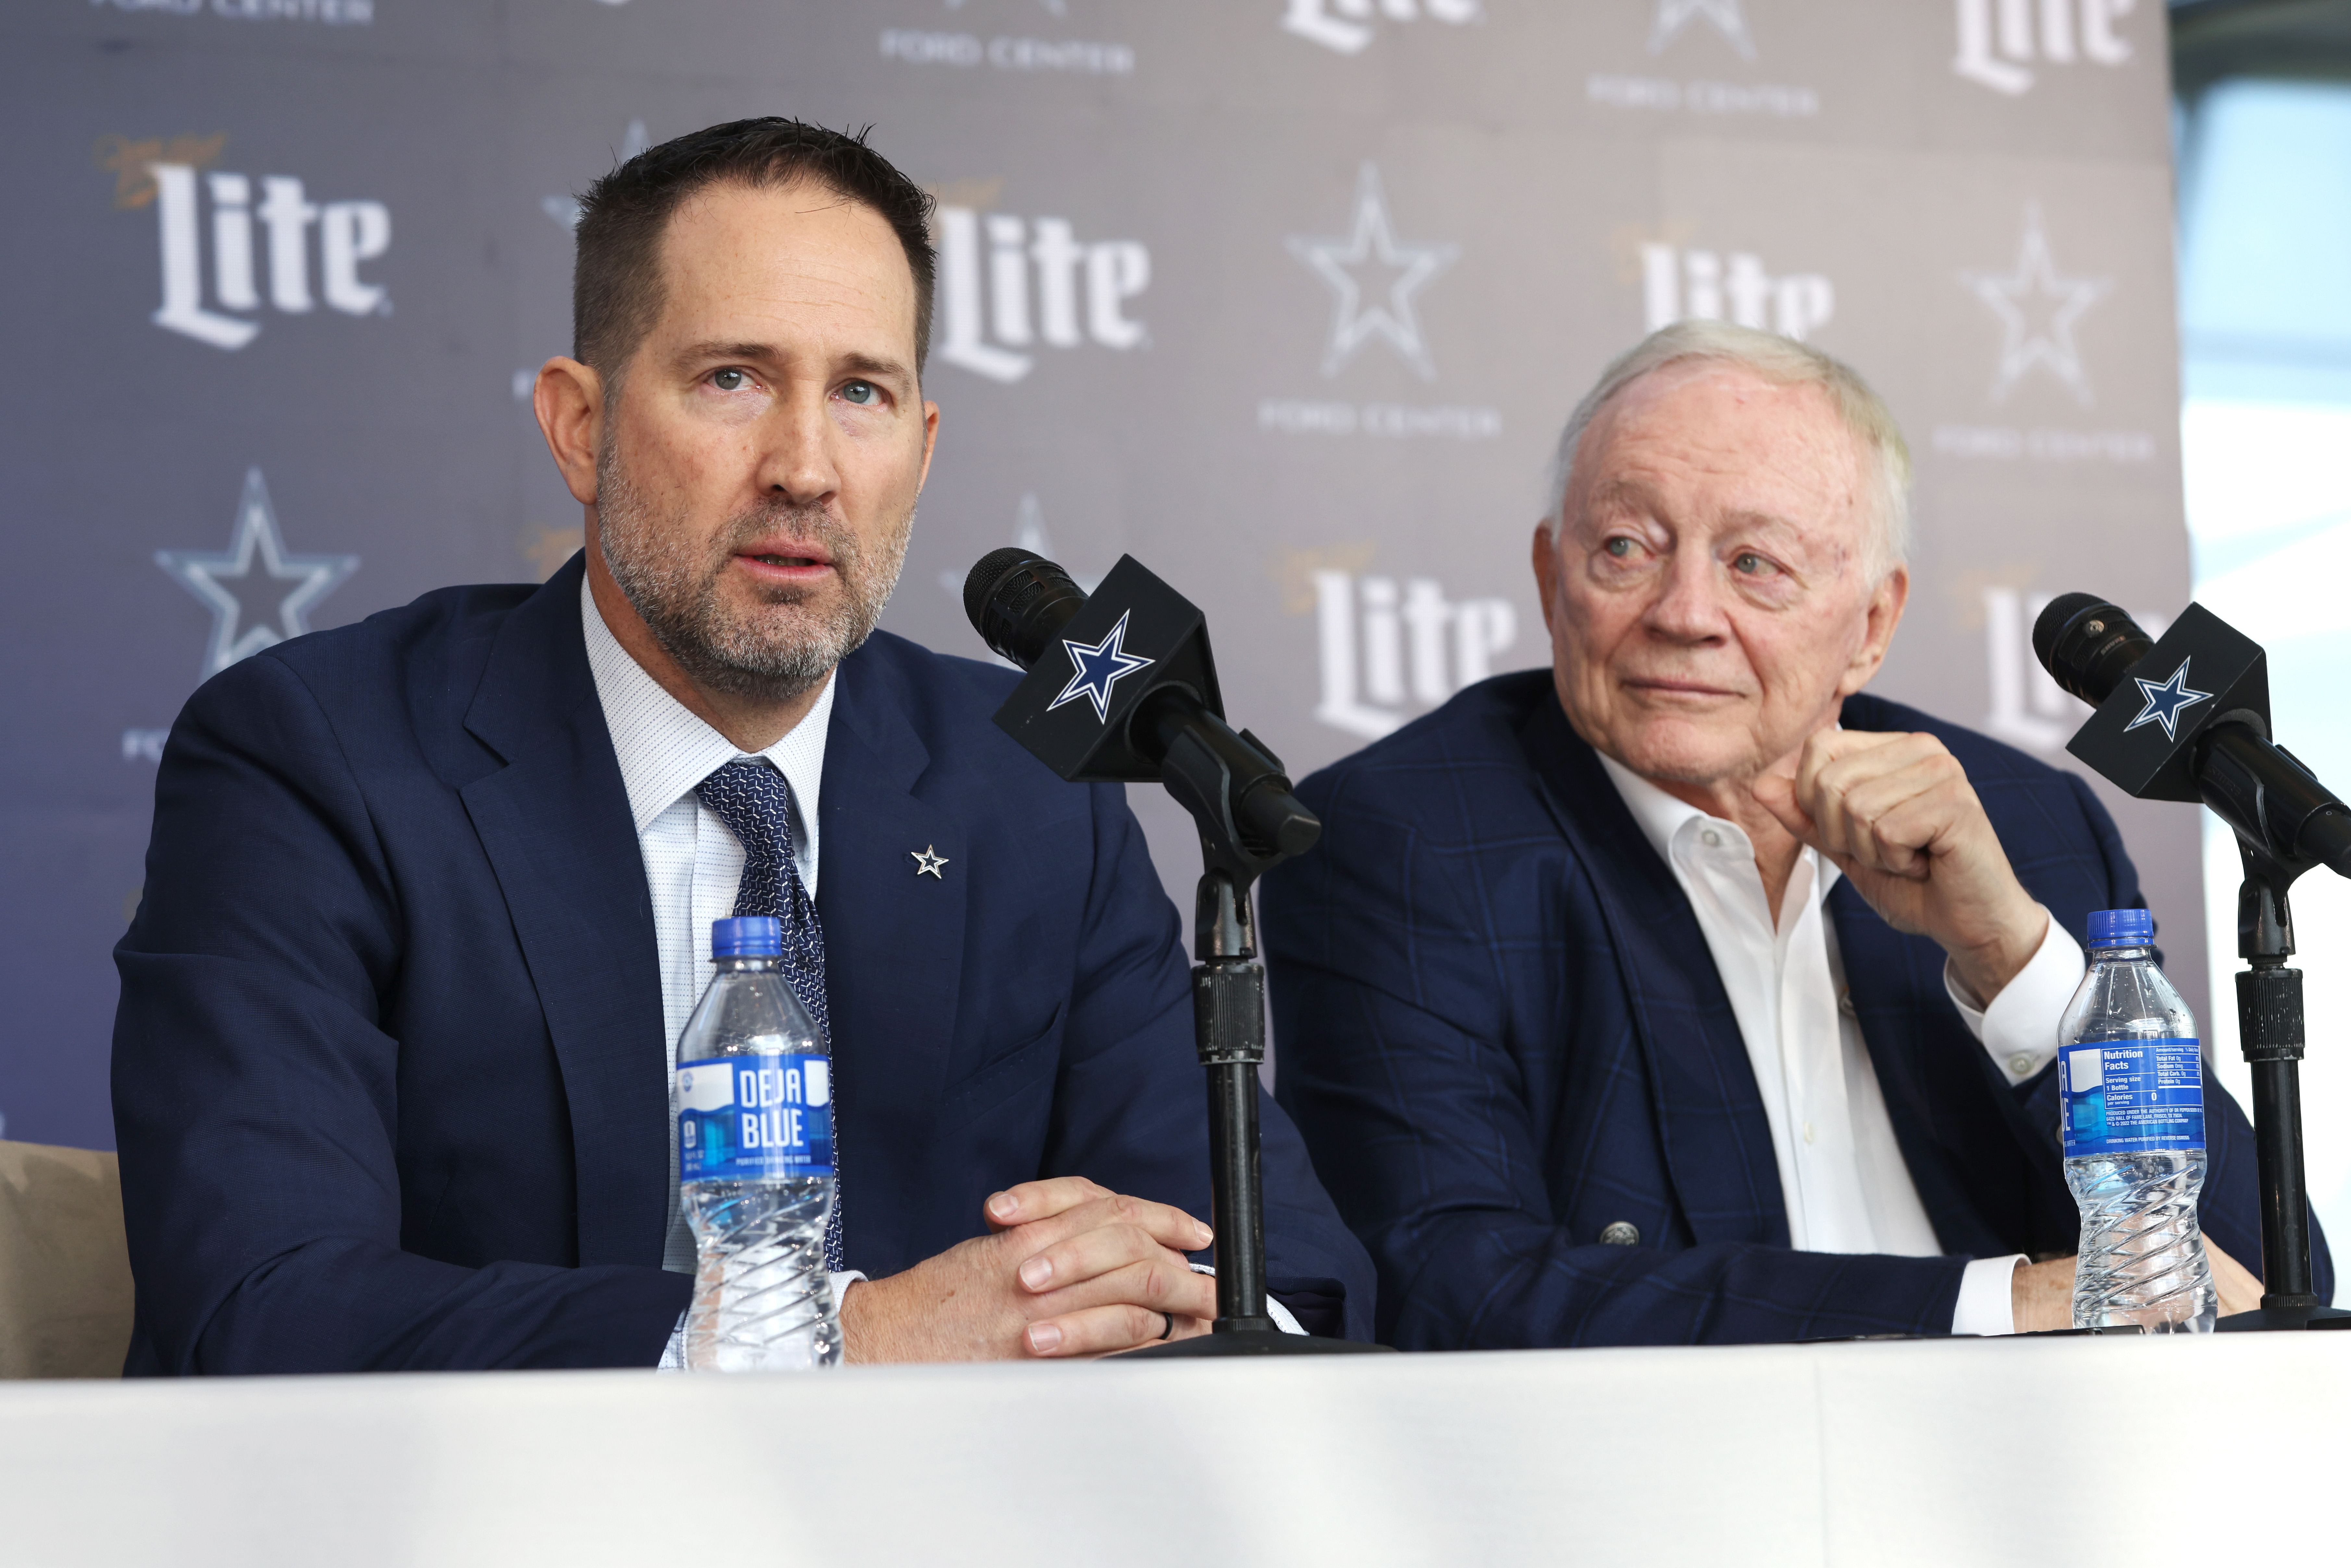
{"x":556,"y":824}
{"x":1710,"y":1115}
{"x":894,"y":944}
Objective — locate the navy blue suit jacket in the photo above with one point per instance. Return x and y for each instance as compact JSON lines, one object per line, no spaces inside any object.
{"x":1501,"y":1030}
{"x":389,"y":1073}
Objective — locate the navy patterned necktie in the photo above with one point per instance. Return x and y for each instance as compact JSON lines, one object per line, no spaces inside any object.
{"x":755,"y":801}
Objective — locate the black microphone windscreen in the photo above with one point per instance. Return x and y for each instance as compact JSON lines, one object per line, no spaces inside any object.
{"x":2052,"y":624}
{"x":1019,"y":601}
{"x":985,"y":573}
{"x":2086,"y":643}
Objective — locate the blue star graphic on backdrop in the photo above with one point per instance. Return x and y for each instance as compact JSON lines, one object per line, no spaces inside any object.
{"x":2164,"y":701}
{"x":244,"y":602}
{"x":1372,"y":251}
{"x":2037,"y":308}
{"x":1673,"y":15}
{"x":1097,"y":668}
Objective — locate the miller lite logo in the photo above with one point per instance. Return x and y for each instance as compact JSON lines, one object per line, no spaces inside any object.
{"x":1681,"y":284}
{"x":2001,"y":40}
{"x":1007,"y":284}
{"x":1344,"y":27}
{"x":1388,"y":650}
{"x":231,"y":243}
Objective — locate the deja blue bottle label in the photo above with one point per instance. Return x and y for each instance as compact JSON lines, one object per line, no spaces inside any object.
{"x":2131,"y":1096}
{"x":755,"y":1118}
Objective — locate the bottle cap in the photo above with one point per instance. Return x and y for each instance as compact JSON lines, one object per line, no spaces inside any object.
{"x":2121,"y":928}
{"x":747,"y":936}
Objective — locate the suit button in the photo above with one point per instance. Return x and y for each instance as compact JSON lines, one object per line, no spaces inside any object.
{"x":1620,"y":1234}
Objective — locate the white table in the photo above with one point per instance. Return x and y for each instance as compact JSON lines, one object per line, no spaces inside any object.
{"x":1876,"y":1453}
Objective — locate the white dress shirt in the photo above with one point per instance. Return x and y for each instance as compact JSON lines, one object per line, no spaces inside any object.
{"x":1840,"y":1172}
{"x":694,"y":864}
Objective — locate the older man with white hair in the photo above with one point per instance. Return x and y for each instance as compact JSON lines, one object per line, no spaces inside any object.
{"x":1682,"y":992}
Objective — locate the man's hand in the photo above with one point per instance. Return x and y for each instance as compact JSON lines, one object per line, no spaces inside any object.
{"x":2041,"y":1294}
{"x":1896,"y":814}
{"x":1069,"y":1269}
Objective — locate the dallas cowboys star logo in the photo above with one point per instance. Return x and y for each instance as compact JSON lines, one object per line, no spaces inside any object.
{"x":245,"y":603}
{"x":927,"y":861}
{"x":1372,"y":248}
{"x":1098,"y":668}
{"x":1673,"y":15}
{"x":2037,"y":310}
{"x":2164,"y":701}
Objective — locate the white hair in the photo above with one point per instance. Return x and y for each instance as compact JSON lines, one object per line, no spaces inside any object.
{"x":1783,"y":362}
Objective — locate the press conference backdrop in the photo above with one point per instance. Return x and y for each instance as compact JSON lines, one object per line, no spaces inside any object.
{"x":1287,"y":298}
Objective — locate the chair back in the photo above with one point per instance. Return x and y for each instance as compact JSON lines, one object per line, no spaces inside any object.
{"x":65,"y":1273}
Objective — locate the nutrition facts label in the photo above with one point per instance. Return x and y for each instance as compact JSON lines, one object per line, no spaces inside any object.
{"x":2128,"y":1097}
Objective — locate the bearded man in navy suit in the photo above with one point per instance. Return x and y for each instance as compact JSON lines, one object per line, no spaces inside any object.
{"x":427,"y":895}
{"x":1680,"y":992}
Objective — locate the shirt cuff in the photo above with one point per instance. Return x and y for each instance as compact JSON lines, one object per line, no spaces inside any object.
{"x":1283,"y":1318}
{"x":673,"y":1354}
{"x":2019,"y":1029}
{"x":1988,"y":1297}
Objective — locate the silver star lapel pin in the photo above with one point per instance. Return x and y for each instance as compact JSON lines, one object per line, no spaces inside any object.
{"x":927,"y":861}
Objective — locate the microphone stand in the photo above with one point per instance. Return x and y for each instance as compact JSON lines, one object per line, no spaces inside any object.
{"x":1210,"y":776}
{"x":2269,"y":1025}
{"x":1169,"y":728}
{"x":2285,"y":823}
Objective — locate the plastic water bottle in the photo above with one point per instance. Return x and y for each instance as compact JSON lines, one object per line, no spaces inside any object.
{"x":754,"y":1099}
{"x":2131,"y":1079}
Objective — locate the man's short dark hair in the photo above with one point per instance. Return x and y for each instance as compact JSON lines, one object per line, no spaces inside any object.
{"x":616,"y":282}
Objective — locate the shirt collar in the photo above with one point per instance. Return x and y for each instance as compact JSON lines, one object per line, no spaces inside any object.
{"x":664,"y":749}
{"x":1658,"y":815}
{"x":1664,"y":817}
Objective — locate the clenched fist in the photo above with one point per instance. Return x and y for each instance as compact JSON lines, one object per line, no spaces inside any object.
{"x":1897,"y":816}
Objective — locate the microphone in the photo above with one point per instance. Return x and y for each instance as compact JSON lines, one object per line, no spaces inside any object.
{"x":2187,"y":718}
{"x":1122,"y":688}
{"x":1018,"y":601}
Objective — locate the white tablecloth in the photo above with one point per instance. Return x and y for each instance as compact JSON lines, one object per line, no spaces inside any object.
{"x":2075,"y":1452}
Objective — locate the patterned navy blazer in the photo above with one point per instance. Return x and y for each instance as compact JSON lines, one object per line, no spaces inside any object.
{"x":1501,"y":1030}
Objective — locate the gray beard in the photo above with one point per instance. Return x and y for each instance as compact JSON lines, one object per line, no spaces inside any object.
{"x":771,"y":657}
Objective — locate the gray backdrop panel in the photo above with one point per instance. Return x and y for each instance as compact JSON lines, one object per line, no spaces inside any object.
{"x":1977,"y":217}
